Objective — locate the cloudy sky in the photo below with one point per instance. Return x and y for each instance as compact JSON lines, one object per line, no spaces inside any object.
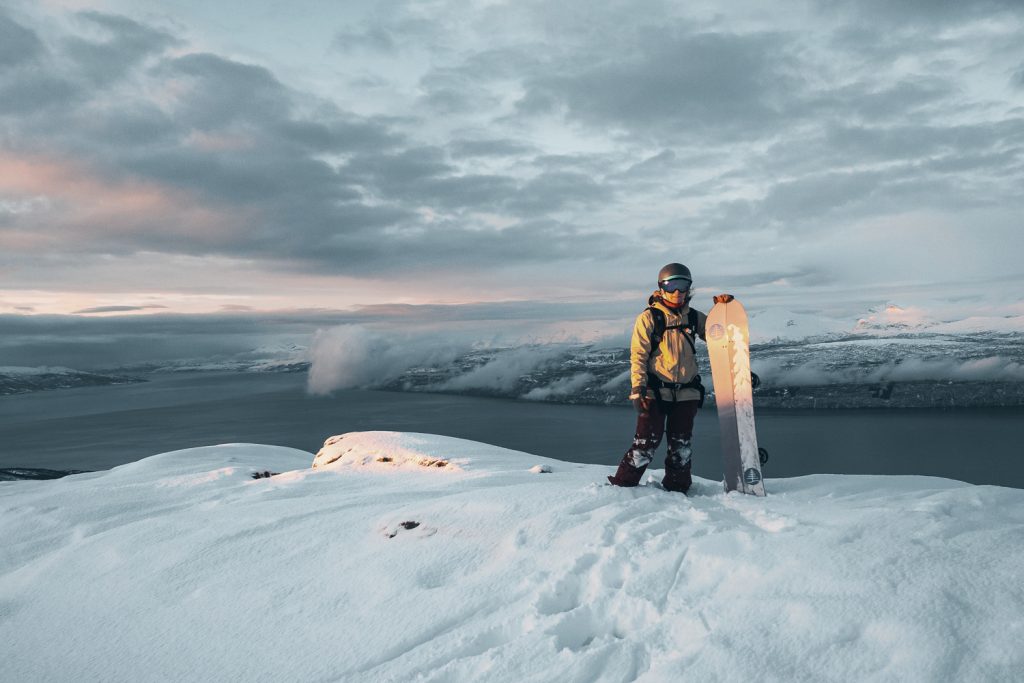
{"x":212,"y":157}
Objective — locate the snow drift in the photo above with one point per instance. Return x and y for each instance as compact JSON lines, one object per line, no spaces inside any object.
{"x":401,"y":557}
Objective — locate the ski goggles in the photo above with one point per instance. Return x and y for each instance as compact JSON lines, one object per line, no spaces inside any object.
{"x":676,"y":285}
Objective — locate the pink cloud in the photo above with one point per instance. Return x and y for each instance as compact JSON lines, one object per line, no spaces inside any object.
{"x":81,"y":204}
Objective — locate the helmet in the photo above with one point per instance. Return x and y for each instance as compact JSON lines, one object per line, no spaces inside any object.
{"x":674,"y":271}
{"x":675,"y":277}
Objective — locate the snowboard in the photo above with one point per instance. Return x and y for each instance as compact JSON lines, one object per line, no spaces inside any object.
{"x":728,"y":337}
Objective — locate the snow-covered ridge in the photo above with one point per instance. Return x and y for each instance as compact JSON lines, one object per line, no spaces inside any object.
{"x":849,"y":372}
{"x":363,"y":570}
{"x":267,"y":358}
{"x":19,"y":371}
{"x":779,"y":324}
{"x":21,"y":380}
{"x":891,"y":356}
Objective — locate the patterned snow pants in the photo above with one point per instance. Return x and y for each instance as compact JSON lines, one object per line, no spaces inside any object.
{"x":650,"y":428}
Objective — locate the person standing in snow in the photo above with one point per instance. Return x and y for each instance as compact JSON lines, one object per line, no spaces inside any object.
{"x":666,"y":389}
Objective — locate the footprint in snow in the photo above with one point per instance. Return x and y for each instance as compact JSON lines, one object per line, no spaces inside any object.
{"x":408,"y":526}
{"x":403,"y":525}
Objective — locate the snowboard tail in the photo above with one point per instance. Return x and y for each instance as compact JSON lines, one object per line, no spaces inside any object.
{"x":728,"y":337}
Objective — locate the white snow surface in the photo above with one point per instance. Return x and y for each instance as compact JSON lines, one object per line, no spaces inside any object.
{"x":181,"y":567}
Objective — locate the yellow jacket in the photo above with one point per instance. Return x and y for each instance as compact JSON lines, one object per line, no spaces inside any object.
{"x":673,"y":361}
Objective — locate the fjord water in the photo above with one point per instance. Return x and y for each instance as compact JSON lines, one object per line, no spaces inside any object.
{"x":100,"y":427}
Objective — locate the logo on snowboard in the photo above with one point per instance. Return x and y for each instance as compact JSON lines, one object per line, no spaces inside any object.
{"x":716,"y":331}
{"x":751,"y":476}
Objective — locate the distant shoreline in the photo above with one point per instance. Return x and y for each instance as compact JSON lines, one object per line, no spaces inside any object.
{"x":910,"y":395}
{"x":97,"y":428}
{"x":35,"y":474}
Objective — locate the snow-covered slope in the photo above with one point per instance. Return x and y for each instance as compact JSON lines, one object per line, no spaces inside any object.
{"x":22,"y":380}
{"x":404,"y":557}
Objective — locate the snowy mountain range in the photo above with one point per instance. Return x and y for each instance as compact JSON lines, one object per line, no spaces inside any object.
{"x":843,"y":372}
{"x":892,"y":357}
{"x":21,"y":380}
{"x":411,"y":557}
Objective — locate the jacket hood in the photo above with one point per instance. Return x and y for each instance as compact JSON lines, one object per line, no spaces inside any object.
{"x":656,"y":300}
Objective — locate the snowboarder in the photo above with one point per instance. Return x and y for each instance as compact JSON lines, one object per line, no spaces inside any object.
{"x":666,"y":389}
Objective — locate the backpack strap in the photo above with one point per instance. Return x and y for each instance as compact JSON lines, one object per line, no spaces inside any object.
{"x":689,"y":329}
{"x":659,"y":326}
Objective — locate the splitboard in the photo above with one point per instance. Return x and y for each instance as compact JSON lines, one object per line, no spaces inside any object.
{"x":728,"y":337}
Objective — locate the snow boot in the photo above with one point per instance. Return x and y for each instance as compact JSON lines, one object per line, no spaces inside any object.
{"x":627,"y":475}
{"x":677,"y":478}
{"x":677,"y":466}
